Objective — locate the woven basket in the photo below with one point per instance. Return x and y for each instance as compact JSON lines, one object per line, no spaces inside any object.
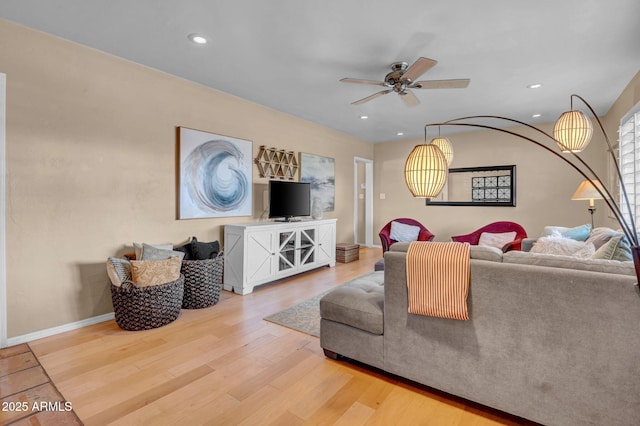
{"x":144,"y":308}
{"x":202,"y":282}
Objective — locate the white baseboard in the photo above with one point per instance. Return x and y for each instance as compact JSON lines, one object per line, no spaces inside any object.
{"x":25,"y":338}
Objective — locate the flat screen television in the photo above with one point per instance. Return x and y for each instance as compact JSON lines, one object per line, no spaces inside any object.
{"x":288,"y":200}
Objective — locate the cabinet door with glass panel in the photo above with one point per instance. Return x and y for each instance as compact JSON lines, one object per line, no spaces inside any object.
{"x":297,"y":248}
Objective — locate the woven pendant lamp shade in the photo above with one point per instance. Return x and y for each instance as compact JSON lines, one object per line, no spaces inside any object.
{"x":574,"y":130}
{"x":445,"y":147}
{"x":425,"y":171}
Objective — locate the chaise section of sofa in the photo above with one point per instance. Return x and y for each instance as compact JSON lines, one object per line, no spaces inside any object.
{"x":555,"y":345}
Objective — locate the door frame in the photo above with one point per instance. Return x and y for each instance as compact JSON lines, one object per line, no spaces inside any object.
{"x":368,"y":221}
{"x":3,"y":212}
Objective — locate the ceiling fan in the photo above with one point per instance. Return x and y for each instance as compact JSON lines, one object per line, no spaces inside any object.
{"x":402,"y":78}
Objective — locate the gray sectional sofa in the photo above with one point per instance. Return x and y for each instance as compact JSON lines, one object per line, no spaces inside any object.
{"x":550,"y":340}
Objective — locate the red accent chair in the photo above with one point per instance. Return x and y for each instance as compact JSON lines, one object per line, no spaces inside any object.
{"x":385,"y":232}
{"x":496,"y":228}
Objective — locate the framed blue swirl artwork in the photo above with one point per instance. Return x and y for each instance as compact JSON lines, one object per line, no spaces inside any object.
{"x":215,"y":175}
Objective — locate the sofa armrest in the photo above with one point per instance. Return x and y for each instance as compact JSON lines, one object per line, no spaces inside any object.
{"x":527,"y":243}
{"x":512,"y":245}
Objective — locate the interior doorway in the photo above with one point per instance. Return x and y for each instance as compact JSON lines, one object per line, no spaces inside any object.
{"x":363,"y":201}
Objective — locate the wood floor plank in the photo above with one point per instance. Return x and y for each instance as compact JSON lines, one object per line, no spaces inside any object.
{"x":144,"y":398}
{"x":357,"y":414}
{"x":50,"y":418}
{"x":268,"y":375}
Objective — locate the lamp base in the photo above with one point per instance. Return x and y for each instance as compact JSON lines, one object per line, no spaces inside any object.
{"x":635,"y":252}
{"x":592,"y":211}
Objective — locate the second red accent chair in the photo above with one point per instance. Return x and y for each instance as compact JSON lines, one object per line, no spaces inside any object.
{"x":385,"y":233}
{"x":496,"y":228}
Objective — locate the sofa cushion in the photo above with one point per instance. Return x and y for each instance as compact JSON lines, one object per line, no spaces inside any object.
{"x":569,"y":262}
{"x":485,"y":253}
{"x":358,"y":303}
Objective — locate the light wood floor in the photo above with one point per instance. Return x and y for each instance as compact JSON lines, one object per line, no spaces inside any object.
{"x":224,"y":365}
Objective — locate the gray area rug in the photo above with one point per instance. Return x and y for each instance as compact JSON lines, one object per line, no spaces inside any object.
{"x":304,"y":316}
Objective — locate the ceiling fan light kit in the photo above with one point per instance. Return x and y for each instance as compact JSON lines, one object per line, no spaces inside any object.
{"x":402,"y":78}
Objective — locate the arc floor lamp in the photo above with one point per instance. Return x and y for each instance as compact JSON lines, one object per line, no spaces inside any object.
{"x":426,"y":165}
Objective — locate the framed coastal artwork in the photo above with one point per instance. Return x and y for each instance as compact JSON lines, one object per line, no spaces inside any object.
{"x":215,"y":175}
{"x":320,"y":173}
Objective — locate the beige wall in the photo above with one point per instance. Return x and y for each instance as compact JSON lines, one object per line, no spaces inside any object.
{"x":91,"y":167}
{"x":544,"y":185}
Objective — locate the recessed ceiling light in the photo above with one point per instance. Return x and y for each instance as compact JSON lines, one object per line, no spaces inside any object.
{"x":536,"y":115}
{"x":400,"y":134}
{"x":534,"y":86}
{"x":364,"y":117}
{"x":197,"y":38}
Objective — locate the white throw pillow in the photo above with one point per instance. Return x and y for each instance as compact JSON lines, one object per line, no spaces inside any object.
{"x":498,"y":240}
{"x":558,"y":245}
{"x":402,"y":232}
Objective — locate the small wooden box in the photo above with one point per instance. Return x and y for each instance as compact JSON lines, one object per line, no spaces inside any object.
{"x":346,"y":253}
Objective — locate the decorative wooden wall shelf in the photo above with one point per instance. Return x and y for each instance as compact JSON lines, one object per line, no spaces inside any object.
{"x":276,"y":163}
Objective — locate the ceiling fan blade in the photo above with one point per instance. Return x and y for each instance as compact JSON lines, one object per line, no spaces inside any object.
{"x":418,"y":68}
{"x":409,"y":98}
{"x":370,"y":97}
{"x":359,"y":81}
{"x":460,"y":83}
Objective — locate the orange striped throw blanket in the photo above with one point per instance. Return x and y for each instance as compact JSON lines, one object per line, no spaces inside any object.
{"x":438,"y":276}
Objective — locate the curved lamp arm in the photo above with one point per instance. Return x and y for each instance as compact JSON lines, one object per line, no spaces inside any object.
{"x":629,"y":231}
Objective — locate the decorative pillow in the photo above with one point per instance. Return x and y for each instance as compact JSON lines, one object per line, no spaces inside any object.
{"x":201,"y":251}
{"x":150,"y":252}
{"x":402,"y":232}
{"x":119,"y":270}
{"x":559,"y":246}
{"x":186,"y":249}
{"x":587,"y":251}
{"x":617,"y":248}
{"x":599,"y":236}
{"x":154,"y":272}
{"x":496,"y":240}
{"x":137,"y":248}
{"x":579,"y":233}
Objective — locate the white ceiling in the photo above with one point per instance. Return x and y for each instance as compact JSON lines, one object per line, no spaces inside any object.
{"x":289,"y":54}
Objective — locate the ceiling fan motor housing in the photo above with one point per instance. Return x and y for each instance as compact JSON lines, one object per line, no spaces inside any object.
{"x":394,"y":78}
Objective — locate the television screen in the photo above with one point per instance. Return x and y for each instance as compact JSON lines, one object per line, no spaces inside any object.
{"x":289,"y":199}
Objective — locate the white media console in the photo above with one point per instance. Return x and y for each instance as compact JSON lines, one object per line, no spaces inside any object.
{"x":260,"y":252}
